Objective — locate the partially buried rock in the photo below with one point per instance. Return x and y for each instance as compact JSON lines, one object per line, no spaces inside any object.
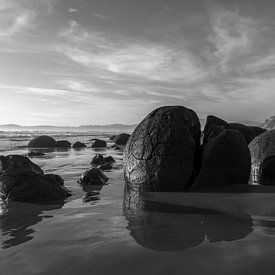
{"x":106,"y":166}
{"x":36,"y":154}
{"x":42,"y":142}
{"x":98,"y":143}
{"x":78,"y":145}
{"x":22,"y":180}
{"x":98,"y":159}
{"x":93,"y":177}
{"x":162,"y":154}
{"x":63,"y":144}
{"x":225,"y":161}
{"x":121,"y":139}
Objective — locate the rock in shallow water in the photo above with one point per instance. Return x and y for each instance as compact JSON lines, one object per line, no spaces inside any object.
{"x":42,"y":142}
{"x":121,"y":139}
{"x":93,"y":177}
{"x":162,"y":152}
{"x":98,"y":143}
{"x":78,"y":145}
{"x":22,"y":180}
{"x":63,"y":144}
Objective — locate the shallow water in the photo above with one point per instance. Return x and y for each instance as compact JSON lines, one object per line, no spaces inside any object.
{"x":101,"y":231}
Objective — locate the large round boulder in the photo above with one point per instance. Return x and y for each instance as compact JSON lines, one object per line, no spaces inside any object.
{"x":162,"y":152}
{"x":121,"y":139}
{"x":262,"y":148}
{"x":225,"y":161}
{"x":22,"y":180}
{"x":247,"y":131}
{"x":42,"y":142}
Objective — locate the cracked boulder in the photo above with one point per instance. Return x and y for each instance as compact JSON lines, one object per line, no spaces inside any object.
{"x":22,"y":180}
{"x":162,"y":154}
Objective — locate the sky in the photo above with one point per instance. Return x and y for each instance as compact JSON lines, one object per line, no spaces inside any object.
{"x":79,"y":62}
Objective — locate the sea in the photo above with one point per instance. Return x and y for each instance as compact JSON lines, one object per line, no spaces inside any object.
{"x":103,"y":230}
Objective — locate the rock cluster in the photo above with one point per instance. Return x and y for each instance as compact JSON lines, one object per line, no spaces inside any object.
{"x":22,"y":180}
{"x":164,"y":153}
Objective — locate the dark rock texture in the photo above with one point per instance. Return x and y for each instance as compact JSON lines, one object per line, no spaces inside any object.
{"x":42,"y":142}
{"x":98,"y":159}
{"x":162,"y":152}
{"x":268,"y":167}
{"x":93,"y":177}
{"x":225,"y":161}
{"x":78,"y":145}
{"x":106,"y":166}
{"x":257,"y":130}
{"x":112,"y":137}
{"x":121,"y":139}
{"x":35,"y":154}
{"x":262,"y":149}
{"x":63,"y":144}
{"x":246,"y":131}
{"x":98,"y":143}
{"x":22,"y":180}
{"x":109,"y":159}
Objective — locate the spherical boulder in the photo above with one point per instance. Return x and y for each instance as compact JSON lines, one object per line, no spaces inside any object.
{"x":22,"y":180}
{"x":63,"y":144}
{"x":225,"y":161}
{"x":78,"y":145}
{"x":99,"y":143}
{"x":93,"y":177}
{"x":42,"y":142}
{"x":121,"y":139}
{"x":162,"y":152}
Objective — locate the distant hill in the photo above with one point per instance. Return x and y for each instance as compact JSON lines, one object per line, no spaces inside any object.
{"x":269,"y":123}
{"x":83,"y":128}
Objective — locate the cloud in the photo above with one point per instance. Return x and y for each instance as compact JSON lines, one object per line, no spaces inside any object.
{"x":232,"y":34}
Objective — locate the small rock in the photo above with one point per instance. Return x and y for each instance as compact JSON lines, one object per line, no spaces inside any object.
{"x":63,"y":144}
{"x":121,"y":139}
{"x":99,"y":143}
{"x":93,"y":177}
{"x":98,"y":159}
{"x":78,"y":145}
{"x":109,"y":159}
{"x":35,"y":154}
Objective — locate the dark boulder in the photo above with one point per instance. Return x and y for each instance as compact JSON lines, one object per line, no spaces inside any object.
{"x":261,"y":148}
{"x":22,"y":180}
{"x":63,"y":144}
{"x":121,"y":139}
{"x":42,"y":142}
{"x":35,"y":154}
{"x":257,"y":130}
{"x":213,"y":127}
{"x":247,"y":132}
{"x":78,"y":145}
{"x":163,"y":151}
{"x":99,"y":143}
{"x":98,"y":159}
{"x":109,"y":159}
{"x":225,"y":161}
{"x":112,"y":137}
{"x":268,"y":167}
{"x":93,"y":177}
{"x":106,"y":166}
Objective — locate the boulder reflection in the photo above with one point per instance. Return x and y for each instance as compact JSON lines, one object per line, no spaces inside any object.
{"x":17,"y":218}
{"x":165,"y":227}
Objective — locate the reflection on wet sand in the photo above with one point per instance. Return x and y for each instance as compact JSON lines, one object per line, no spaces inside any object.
{"x":16,"y":221}
{"x":92,"y":193}
{"x":165,"y":227}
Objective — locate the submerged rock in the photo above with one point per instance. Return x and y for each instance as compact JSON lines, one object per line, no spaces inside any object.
{"x":22,"y":180}
{"x":121,"y":139}
{"x":162,"y":152}
{"x":225,"y":161}
{"x":63,"y":144}
{"x":93,"y":177}
{"x":78,"y":145}
{"x":35,"y":154}
{"x":99,"y":143}
{"x":42,"y":142}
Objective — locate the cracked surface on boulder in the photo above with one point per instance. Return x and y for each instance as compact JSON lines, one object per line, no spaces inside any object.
{"x":162,"y":151}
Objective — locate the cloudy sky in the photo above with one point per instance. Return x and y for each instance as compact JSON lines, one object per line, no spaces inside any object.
{"x":73,"y":62}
